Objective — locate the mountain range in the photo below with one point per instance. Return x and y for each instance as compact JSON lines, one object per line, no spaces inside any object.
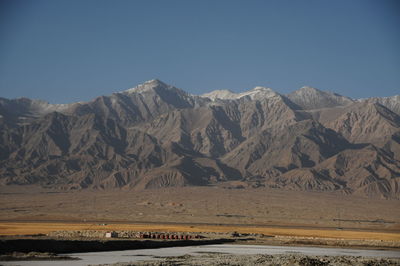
{"x":156,"y":135}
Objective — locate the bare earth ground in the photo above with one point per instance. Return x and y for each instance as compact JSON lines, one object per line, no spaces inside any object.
{"x":30,"y":210}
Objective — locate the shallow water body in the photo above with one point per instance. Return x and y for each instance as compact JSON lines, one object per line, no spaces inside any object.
{"x":108,"y":257}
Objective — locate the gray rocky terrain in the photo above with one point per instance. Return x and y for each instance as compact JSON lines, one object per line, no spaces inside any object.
{"x":284,"y":260}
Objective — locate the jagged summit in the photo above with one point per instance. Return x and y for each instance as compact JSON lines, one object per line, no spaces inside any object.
{"x":311,"y":98}
{"x":156,"y":83}
{"x":255,"y":93}
{"x":309,"y":90}
{"x":23,"y":110}
{"x":220,"y":94}
{"x":393,"y":102}
{"x":148,"y":85}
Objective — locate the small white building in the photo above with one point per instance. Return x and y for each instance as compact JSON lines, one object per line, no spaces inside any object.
{"x":111,"y":234}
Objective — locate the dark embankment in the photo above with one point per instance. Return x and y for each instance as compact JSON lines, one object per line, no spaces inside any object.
{"x":75,"y":246}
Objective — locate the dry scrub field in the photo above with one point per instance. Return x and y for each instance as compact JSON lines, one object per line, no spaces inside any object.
{"x":30,"y":210}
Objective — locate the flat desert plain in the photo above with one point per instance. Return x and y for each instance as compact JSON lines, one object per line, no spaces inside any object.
{"x":33,"y":210}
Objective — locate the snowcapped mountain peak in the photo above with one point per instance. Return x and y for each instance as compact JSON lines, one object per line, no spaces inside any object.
{"x":147,"y":86}
{"x":156,"y":89}
{"x":312,"y":98}
{"x":221,"y":94}
{"x":256,"y":93}
{"x":259,"y":93}
{"x":393,"y":102}
{"x":155,"y":82}
{"x":308,"y":90}
{"x":259,"y":88}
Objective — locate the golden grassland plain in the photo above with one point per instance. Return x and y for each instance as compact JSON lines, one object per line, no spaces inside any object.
{"x":31,"y":210}
{"x":25,"y":228}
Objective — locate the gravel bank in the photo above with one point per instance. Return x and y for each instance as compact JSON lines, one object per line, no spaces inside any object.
{"x":283,"y":260}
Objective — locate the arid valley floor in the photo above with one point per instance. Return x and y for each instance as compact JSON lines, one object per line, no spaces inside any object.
{"x":259,"y":216}
{"x":267,"y":211}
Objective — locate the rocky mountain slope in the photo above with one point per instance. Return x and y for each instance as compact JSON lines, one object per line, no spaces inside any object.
{"x":156,"y":135}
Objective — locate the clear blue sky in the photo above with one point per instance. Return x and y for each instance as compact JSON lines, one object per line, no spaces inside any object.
{"x":65,"y":51}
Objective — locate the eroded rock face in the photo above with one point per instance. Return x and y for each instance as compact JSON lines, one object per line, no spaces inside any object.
{"x":155,"y":135}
